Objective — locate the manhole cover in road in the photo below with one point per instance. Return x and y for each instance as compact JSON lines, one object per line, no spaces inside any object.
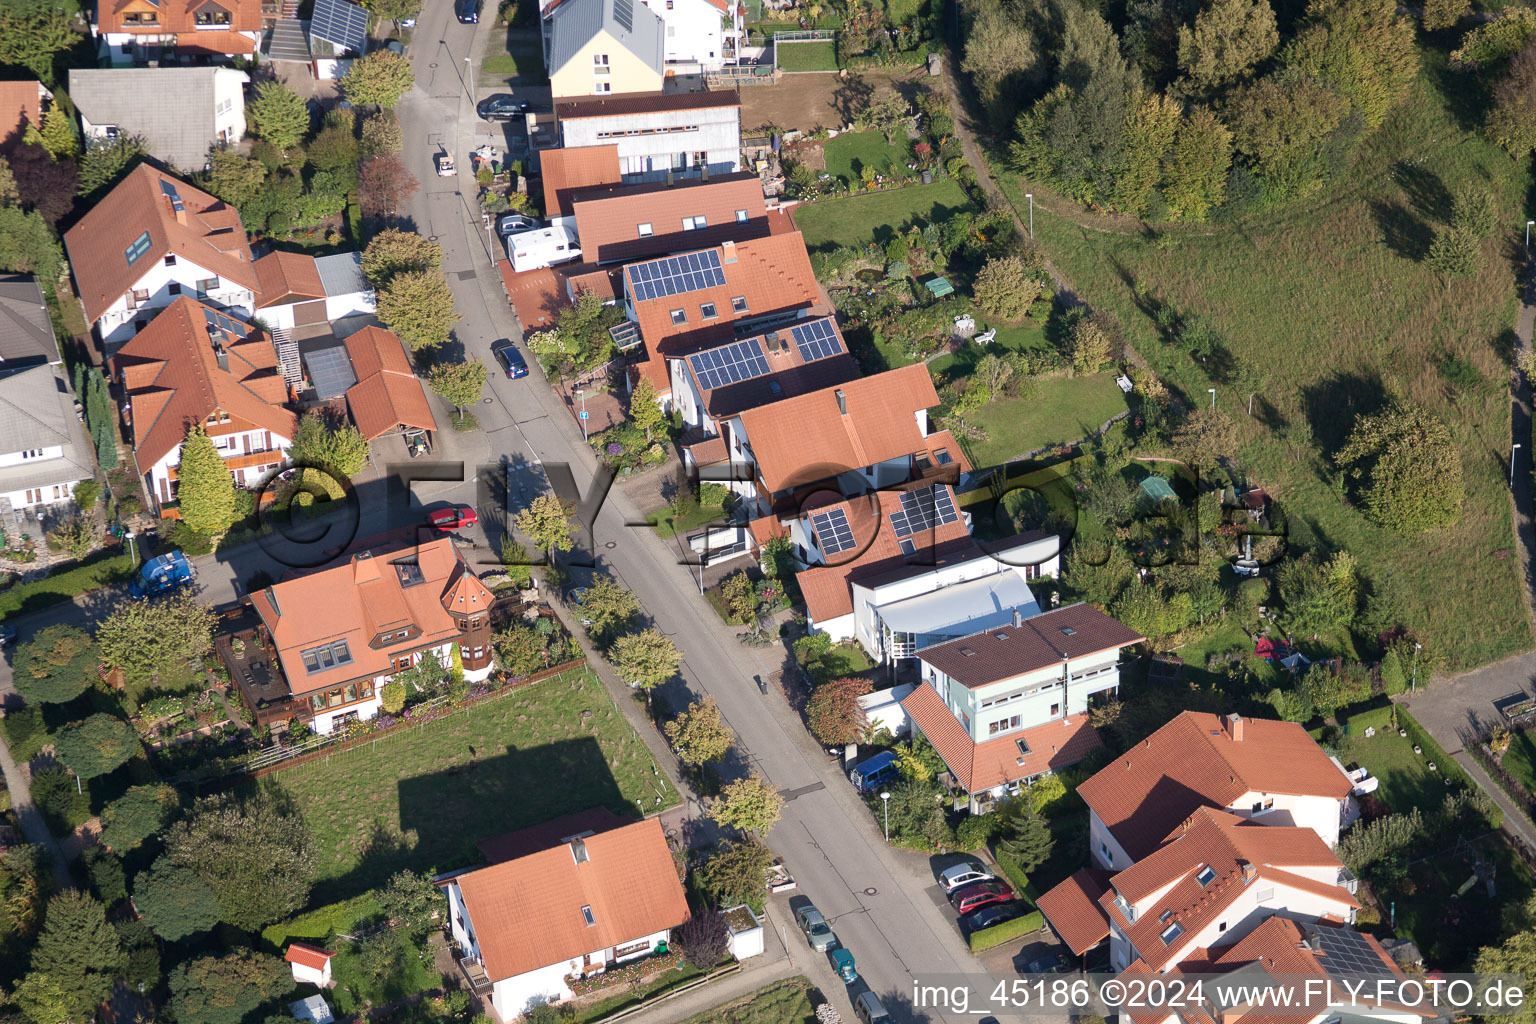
{"x":485,"y":401}
{"x":432,"y":65}
{"x":431,"y":238}
{"x":871,"y":891}
{"x":611,"y":544}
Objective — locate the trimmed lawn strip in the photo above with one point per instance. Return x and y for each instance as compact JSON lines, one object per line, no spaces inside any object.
{"x":1006,"y":932}
{"x":527,"y":65}
{"x":876,"y":216}
{"x":847,"y":155}
{"x":1063,"y":410}
{"x":680,"y":975}
{"x":668,"y":525}
{"x":820,"y":55}
{"x":787,"y":1002}
{"x":425,"y":796}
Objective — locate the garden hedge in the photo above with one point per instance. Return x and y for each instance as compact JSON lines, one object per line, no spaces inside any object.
{"x":102,"y":570}
{"x":1001,"y":933}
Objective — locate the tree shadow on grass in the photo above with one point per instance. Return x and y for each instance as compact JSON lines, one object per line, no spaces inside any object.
{"x":1332,"y":405}
{"x":1424,"y":190}
{"x":1405,"y":233}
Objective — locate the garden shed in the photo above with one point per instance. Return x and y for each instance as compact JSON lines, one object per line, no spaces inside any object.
{"x":746,"y":932}
{"x":1154,"y":489}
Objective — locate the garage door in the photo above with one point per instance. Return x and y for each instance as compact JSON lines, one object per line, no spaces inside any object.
{"x":309,"y":313}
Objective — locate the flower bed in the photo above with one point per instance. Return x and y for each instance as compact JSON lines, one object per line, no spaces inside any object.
{"x":625,"y":974}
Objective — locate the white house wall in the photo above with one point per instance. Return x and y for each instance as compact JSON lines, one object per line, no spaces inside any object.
{"x":516,"y":995}
{"x":1033,"y":708}
{"x":715,"y":132}
{"x":239,"y":443}
{"x":1319,"y":813}
{"x":45,"y":494}
{"x":117,"y":323}
{"x":339,"y":307}
{"x":1105,"y":848}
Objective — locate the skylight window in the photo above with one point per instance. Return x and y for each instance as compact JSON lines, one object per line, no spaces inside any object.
{"x":1172,"y":932}
{"x":1164,"y":916}
{"x":1068,"y":631}
{"x":586,"y":915}
{"x":1206,"y":876}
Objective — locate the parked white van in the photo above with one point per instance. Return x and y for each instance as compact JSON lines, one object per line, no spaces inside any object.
{"x":530,"y":250}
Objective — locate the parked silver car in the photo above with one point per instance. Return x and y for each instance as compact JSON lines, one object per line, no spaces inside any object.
{"x":817,"y":932}
{"x":965,"y":873}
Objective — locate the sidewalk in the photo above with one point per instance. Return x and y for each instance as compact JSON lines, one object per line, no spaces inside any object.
{"x":756,"y":972}
{"x":18,"y":781}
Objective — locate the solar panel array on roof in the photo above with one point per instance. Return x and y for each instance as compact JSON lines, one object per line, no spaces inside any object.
{"x":729,"y":364}
{"x":138,"y":248}
{"x":923,"y":509}
{"x":330,"y":371}
{"x":624,"y":14}
{"x":832,"y":531}
{"x":1346,"y":952}
{"x":343,"y":25}
{"x":675,"y":275}
{"x":227,"y":324}
{"x":816,"y":340}
{"x":626,"y":335}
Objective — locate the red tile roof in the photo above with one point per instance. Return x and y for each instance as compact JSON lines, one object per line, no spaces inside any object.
{"x":178,"y":16}
{"x":21,"y":104}
{"x":548,"y":834}
{"x":620,"y":104}
{"x":173,"y":379}
{"x":809,"y":438}
{"x":212,"y":237}
{"x":287,"y":277}
{"x":1072,"y":908}
{"x":709,"y":452}
{"x":372,"y":593}
{"x":305,"y":955}
{"x":527,"y":912}
{"x":1193,"y":762}
{"x":387,"y":393}
{"x":979,"y":767}
{"x":608,"y":218}
{"x":568,"y":170}
{"x":1072,"y":632}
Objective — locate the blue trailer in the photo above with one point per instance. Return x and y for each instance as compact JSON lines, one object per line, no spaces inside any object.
{"x":161,"y":575}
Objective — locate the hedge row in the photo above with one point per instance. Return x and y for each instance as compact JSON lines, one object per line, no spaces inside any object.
{"x":107,"y":567}
{"x":1432,"y":751}
{"x":1008,"y":930}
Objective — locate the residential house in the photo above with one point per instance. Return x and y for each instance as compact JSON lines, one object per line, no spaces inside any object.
{"x":340,"y":633}
{"x":565,"y":172}
{"x":146,"y":31}
{"x":152,"y":239}
{"x":1010,"y":703}
{"x":598,"y":47}
{"x":623,"y":223}
{"x":209,"y":110}
{"x":1308,"y":966}
{"x":565,"y":900}
{"x":1269,"y":771}
{"x":699,"y":35}
{"x":21,"y":104}
{"x":43,"y":449}
{"x":338,"y":34}
{"x":388,"y":395}
{"x":304,"y":294}
{"x":1215,"y":880}
{"x":657,"y":133}
{"x":26,"y":331}
{"x":195,"y":364}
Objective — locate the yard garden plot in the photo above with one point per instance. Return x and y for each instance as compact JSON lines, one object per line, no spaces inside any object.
{"x":423,"y":797}
{"x":876,"y":216}
{"x":1062,"y":410}
{"x":811,"y":55}
{"x":847,"y":155}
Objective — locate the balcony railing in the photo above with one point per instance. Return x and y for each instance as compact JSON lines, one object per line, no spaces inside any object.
{"x":1349,"y":881}
{"x":474,"y":973}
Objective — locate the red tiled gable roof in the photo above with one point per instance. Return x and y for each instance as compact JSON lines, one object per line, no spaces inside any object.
{"x":355,"y":601}
{"x":212,"y":238}
{"x":1075,"y":631}
{"x":171,"y":373}
{"x":387,"y":393}
{"x":1072,"y":908}
{"x":1229,"y":846}
{"x":1193,"y":762}
{"x":21,"y":104}
{"x":548,"y":834}
{"x":789,"y":375}
{"x":180,"y":16}
{"x":876,"y":550}
{"x":945,"y":441}
{"x":809,"y":438}
{"x":568,"y":170}
{"x":608,"y":217}
{"x":305,"y":955}
{"x":287,"y":277}
{"x":643,"y":103}
{"x":979,"y":767}
{"x":527,"y":912}
{"x":709,"y":452}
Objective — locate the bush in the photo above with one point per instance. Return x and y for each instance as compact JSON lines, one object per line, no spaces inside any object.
{"x":86,"y":494}
{"x":25,"y":732}
{"x":56,"y":797}
{"x":702,"y":939}
{"x":977,"y":830}
{"x":1008,"y":930}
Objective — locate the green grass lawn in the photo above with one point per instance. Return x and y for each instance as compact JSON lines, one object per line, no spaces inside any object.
{"x":875,"y":216}
{"x":846,"y":659}
{"x":522,"y":65}
{"x":668,"y":525}
{"x":424,"y":797}
{"x":1520,"y":759}
{"x":847,"y":155}
{"x":1062,"y":410}
{"x":1406,"y":781}
{"x":600,"y":1008}
{"x":820,"y":55}
{"x":1325,"y":297}
{"x":787,"y":1002}
{"x":1021,"y":337}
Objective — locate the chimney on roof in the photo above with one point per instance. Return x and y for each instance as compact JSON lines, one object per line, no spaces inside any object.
{"x":728,"y":251}
{"x":579,"y":849}
{"x":1248,"y":870}
{"x":670,"y":181}
{"x":842,"y":401}
{"x":1234,"y":724}
{"x":1018,"y":618}
{"x":222,"y":357}
{"x":703,"y":172}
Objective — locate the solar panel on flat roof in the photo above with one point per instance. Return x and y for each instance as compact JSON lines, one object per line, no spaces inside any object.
{"x":816,"y":340}
{"x":923,"y":509}
{"x":832,"y":531}
{"x":729,"y":364}
{"x":343,"y":24}
{"x":675,"y":275}
{"x":330,"y":371}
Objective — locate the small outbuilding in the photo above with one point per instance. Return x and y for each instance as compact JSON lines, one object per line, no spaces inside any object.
{"x":313,"y":1008}
{"x":310,"y":964}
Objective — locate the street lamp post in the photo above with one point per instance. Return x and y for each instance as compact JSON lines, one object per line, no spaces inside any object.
{"x":582,"y":392}
{"x":1213,"y":397}
{"x":1031,"y":197}
{"x":1512,"y":451}
{"x":885,"y":798}
{"x":469,"y":78}
{"x":1528,"y":225}
{"x":1415,"y":687}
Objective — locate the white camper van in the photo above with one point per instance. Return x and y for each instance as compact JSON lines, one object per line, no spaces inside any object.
{"x":530,"y":250}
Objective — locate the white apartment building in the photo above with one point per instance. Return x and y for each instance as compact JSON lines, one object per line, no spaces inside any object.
{"x":658,"y":133}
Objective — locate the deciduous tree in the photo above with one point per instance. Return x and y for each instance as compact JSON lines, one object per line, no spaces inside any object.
{"x":205,"y":488}
{"x":255,"y":854}
{"x":43,"y":185}
{"x":1087,"y":345}
{"x":381,"y":131}
{"x":55,"y":666}
{"x":378,"y":80}
{"x":174,"y":901}
{"x":1280,"y":125}
{"x":136,"y":815}
{"x":547,"y":522}
{"x":1439,"y":14}
{"x":699,"y":734}
{"x":330,"y":445}
{"x":1454,"y":252}
{"x":645,"y":659}
{"x":223,"y":990}
{"x":1001,"y":56}
{"x":410,"y":900}
{"x":1363,"y":48}
{"x":1228,"y":38}
{"x":393,"y":251}
{"x":234,"y":178}
{"x":1006,"y":287}
{"x":460,"y":383}
{"x":96,"y":745}
{"x":142,"y":637}
{"x":1205,"y":436}
{"x":736,"y":872}
{"x":383,"y":185}
{"x":418,"y":306}
{"x":1494,"y":41}
{"x":750,"y":804}
{"x":889,"y":114}
{"x":833,"y":712}
{"x":32,"y":34}
{"x":107,"y":163}
{"x":1511,"y":117}
{"x":1195,"y":168}
{"x":278,"y":115}
{"x":1406,"y":467}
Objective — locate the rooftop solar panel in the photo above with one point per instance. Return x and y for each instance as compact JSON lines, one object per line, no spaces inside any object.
{"x":832,"y":531}
{"x":330,"y":371}
{"x":344,"y":25}
{"x":729,"y":364}
{"x":923,"y":509}
{"x":675,"y":275}
{"x":816,"y":340}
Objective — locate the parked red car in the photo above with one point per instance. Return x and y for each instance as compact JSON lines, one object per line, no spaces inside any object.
{"x":453,"y":518}
{"x":979,"y":895}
